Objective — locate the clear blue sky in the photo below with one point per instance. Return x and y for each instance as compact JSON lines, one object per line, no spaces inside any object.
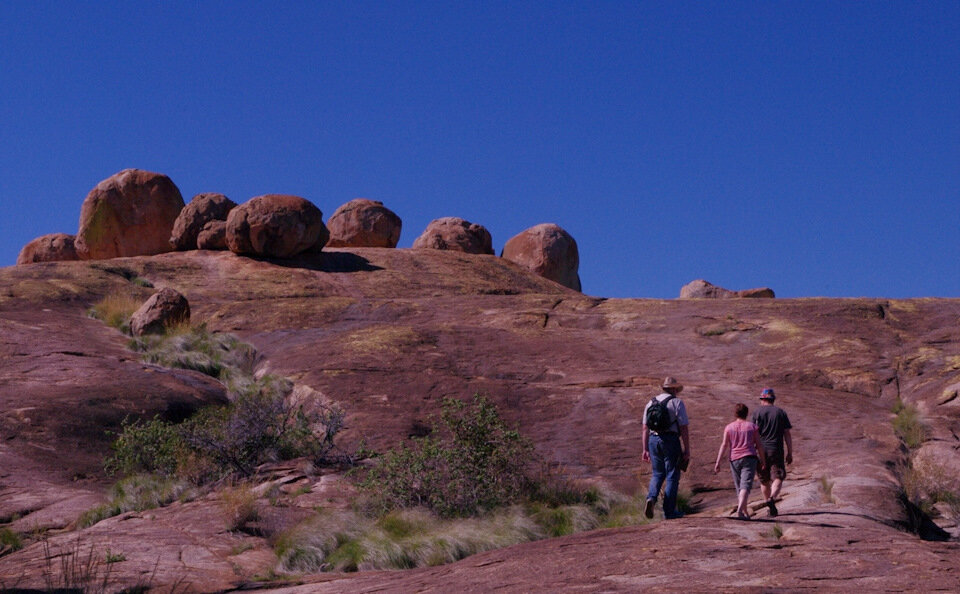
{"x":812,"y":147}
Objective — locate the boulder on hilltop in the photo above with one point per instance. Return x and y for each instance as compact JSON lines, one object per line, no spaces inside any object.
{"x":213,"y":236}
{"x":201,"y":209}
{"x":130,"y":213}
{"x":547,"y":250}
{"x":701,"y":289}
{"x":277,"y":226}
{"x":455,"y":234}
{"x":163,"y":309}
{"x":364,"y":223}
{"x":49,"y":248}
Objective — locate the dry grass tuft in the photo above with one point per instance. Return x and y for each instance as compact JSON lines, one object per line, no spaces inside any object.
{"x":115,"y":310}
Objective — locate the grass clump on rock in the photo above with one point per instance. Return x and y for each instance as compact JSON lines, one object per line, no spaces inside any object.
{"x":115,"y":310}
{"x":908,"y":425}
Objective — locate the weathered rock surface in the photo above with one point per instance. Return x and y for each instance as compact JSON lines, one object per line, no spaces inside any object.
{"x":202,"y":209}
{"x":275,"y":225}
{"x":364,"y":223}
{"x":701,"y":289}
{"x":547,"y":250}
{"x":54,"y":247}
{"x":213,"y":236}
{"x":455,"y":234}
{"x":390,"y":333}
{"x":164,"y":309}
{"x":130,"y":213}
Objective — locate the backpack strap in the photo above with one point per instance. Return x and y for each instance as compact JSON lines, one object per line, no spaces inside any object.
{"x":676,"y":417}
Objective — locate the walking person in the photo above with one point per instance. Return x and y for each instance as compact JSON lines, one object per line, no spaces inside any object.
{"x":666,"y":445}
{"x":742,"y":438}
{"x":774,"y":427}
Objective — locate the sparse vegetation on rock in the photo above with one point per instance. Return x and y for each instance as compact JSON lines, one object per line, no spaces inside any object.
{"x":471,"y":462}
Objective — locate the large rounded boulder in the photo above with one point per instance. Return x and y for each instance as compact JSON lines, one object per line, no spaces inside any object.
{"x":164,"y":309}
{"x":455,"y":234}
{"x":128,"y":214}
{"x":202,"y":209}
{"x":213,"y":236}
{"x":364,"y":223}
{"x":49,"y":248}
{"x":547,"y":250}
{"x":275,"y":226}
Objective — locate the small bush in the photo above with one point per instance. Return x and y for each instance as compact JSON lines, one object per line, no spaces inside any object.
{"x":262,"y":425}
{"x":9,"y":540}
{"x":153,"y":446}
{"x":471,"y":462}
{"x":908,"y":426}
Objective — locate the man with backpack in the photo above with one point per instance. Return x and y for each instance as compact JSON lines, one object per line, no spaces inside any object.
{"x":666,"y":445}
{"x":774,"y":427}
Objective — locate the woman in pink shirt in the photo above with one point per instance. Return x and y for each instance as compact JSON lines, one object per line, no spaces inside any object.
{"x":743,"y":439}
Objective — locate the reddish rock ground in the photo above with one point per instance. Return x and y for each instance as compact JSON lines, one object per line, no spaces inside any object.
{"x":389,"y":333}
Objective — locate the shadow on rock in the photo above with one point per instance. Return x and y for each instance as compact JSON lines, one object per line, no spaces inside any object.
{"x":326,"y":262}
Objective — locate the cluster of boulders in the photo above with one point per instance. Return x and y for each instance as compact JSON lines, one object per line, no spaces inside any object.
{"x":140,"y":213}
{"x":701,"y":289}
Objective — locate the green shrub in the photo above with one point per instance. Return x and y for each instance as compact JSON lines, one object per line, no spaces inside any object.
{"x":153,"y":446}
{"x":471,"y":462}
{"x":9,"y":538}
{"x":261,"y":424}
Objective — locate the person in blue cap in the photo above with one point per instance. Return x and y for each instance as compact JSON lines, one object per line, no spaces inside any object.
{"x":774,"y":427}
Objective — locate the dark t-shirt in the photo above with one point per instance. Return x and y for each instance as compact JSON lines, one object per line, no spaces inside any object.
{"x":772,"y":422}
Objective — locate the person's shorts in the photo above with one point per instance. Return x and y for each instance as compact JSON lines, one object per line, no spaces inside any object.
{"x":743,"y":469}
{"x":774,"y":469}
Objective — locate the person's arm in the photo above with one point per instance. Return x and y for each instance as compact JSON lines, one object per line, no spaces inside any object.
{"x":760,"y":451}
{"x":646,"y":438}
{"x":789,"y":441}
{"x":685,"y":438}
{"x":723,"y":448}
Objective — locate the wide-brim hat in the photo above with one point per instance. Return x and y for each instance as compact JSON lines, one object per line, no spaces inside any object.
{"x":671,"y":382}
{"x":768,"y":394}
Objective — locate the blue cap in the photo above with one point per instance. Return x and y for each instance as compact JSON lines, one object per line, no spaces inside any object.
{"x":767,"y":394}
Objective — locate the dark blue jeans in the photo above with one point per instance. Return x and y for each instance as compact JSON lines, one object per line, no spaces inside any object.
{"x":665,"y":451}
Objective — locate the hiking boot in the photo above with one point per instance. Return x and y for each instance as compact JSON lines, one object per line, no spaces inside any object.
{"x":674,"y":515}
{"x":772,"y":507}
{"x":648,"y":508}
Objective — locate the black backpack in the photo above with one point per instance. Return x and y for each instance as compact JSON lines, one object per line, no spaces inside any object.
{"x":658,"y":415}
